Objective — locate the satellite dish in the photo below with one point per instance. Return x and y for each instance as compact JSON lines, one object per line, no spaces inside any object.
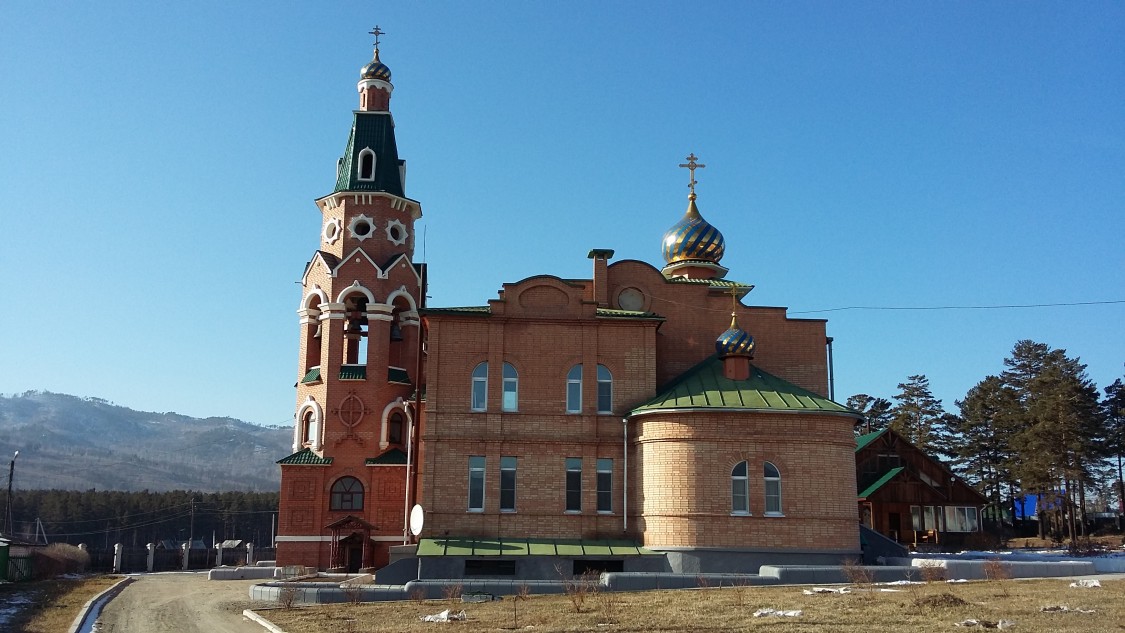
{"x":417,"y":517}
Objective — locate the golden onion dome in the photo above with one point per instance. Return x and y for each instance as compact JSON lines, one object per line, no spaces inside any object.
{"x":693,"y":239}
{"x":376,"y":69}
{"x":735,"y":341}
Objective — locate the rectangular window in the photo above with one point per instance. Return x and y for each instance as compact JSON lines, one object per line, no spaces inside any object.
{"x":961,"y":519}
{"x":476,"y":484}
{"x":605,"y":485}
{"x":573,"y":484}
{"x":507,"y":484}
{"x":605,"y":396}
{"x":509,"y":401}
{"x":573,"y":397}
{"x":773,"y":495}
{"x":480,"y":389}
{"x":931,"y":518}
{"x":916,"y":518}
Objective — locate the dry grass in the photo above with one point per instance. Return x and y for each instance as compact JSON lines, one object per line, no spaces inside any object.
{"x":56,"y":602}
{"x":714,"y":610}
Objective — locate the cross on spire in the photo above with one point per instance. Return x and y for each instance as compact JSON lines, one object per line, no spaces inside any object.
{"x":377,"y":32}
{"x":691,"y":165}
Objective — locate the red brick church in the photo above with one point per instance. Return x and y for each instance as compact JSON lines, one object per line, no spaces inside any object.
{"x":645,"y":407}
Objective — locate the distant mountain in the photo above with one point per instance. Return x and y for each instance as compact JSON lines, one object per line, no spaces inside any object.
{"x":73,"y":443}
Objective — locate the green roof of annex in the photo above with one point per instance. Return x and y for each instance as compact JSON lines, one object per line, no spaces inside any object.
{"x":704,"y":387}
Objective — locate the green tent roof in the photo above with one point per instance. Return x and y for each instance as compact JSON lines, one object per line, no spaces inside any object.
{"x":705,"y":387}
{"x":376,"y":131}
{"x":305,"y":457}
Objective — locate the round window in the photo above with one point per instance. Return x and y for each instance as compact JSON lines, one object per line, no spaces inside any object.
{"x":631,"y":299}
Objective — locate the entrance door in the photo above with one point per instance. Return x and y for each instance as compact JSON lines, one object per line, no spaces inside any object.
{"x":355,"y":558}
{"x":895,"y":520}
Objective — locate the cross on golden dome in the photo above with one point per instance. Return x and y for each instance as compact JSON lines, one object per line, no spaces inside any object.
{"x":691,"y":165}
{"x":377,"y":32}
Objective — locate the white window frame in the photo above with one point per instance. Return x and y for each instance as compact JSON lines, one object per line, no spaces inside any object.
{"x":573,"y":465}
{"x":962,"y":519}
{"x":511,"y":385}
{"x":772,"y":498}
{"x":508,"y":484}
{"x":479,"y":380}
{"x":740,"y":487}
{"x":574,"y":381}
{"x":605,"y":380}
{"x":367,"y":151}
{"x":605,"y":485}
{"x":476,"y":481}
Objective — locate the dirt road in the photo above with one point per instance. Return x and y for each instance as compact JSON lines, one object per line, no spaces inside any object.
{"x":179,"y":603}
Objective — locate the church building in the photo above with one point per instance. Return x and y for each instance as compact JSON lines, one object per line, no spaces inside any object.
{"x":644,"y":410}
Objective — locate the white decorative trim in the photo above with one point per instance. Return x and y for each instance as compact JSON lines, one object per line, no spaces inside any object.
{"x":315,"y":292}
{"x":403,"y":292}
{"x":355,"y":287}
{"x":367,"y":151}
{"x":332,"y":231}
{"x":380,"y":312}
{"x":318,"y":421}
{"x":398,"y":203}
{"x":332,"y":311}
{"x":357,"y":253}
{"x":385,"y":428}
{"x":357,"y":220}
{"x":403,"y":234}
{"x":374,"y":83}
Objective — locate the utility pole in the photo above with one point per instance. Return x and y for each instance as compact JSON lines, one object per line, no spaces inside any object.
{"x":191,"y":532}
{"x":11,"y":476}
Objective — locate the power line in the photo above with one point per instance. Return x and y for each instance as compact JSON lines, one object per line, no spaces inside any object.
{"x":984,"y":307}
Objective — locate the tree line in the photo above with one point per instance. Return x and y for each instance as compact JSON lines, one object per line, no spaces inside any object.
{"x":1039,"y":428}
{"x":103,"y":518}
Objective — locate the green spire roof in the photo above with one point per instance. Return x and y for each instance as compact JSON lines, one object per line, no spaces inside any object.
{"x":374,"y":130}
{"x":705,"y":387}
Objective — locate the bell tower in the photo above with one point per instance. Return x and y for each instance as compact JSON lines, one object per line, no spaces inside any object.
{"x":344,"y":488}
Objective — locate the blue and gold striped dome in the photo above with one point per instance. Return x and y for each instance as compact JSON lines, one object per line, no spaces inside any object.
{"x":376,"y":69}
{"x":693,"y":238}
{"x":735,"y":341}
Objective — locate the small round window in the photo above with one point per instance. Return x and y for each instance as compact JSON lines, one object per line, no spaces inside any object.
{"x":361,"y":227}
{"x":631,"y":299}
{"x":331,"y":231}
{"x":396,"y":232}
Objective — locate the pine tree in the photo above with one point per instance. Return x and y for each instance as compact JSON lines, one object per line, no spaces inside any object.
{"x":982,"y":444}
{"x":1113,"y":409}
{"x":917,"y":416}
{"x":876,"y":412}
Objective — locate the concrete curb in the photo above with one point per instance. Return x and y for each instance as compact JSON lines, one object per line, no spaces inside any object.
{"x":102,"y":598}
{"x":266,"y":624}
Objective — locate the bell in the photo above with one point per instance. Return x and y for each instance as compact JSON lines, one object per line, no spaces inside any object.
{"x":396,"y":332}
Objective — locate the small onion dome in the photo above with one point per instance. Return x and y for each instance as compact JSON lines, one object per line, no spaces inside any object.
{"x":735,"y":341}
{"x":376,"y":69}
{"x":693,"y":239}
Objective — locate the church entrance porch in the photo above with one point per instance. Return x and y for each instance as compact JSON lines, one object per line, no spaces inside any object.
{"x":351,"y":545}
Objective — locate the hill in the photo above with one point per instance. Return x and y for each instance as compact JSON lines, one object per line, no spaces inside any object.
{"x":72,"y":443}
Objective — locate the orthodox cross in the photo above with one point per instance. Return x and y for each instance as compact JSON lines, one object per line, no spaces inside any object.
{"x":377,"y":32}
{"x":691,"y":165}
{"x":351,"y":412}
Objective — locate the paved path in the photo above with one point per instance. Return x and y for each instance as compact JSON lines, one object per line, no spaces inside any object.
{"x":180,"y":603}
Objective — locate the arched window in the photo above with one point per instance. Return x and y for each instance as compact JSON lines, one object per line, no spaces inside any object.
{"x":773,"y":489}
{"x":308,"y":428}
{"x":366,"y":164}
{"x":355,"y":330}
{"x":510,"y":400}
{"x":394,"y":428}
{"x":739,"y":490}
{"x":605,"y":390}
{"x":480,"y":387}
{"x":347,"y":494}
{"x":574,"y":390}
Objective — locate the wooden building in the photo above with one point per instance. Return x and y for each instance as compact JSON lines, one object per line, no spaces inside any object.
{"x":910,"y":496}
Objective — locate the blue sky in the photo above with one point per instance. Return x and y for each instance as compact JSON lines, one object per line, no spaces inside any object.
{"x":159,"y":162}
